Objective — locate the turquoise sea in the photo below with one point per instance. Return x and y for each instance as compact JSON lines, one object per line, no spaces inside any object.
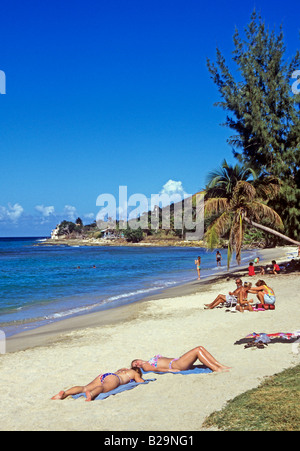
{"x":40,"y":284}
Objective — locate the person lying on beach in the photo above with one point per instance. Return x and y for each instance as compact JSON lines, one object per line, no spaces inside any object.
{"x":230,"y":298}
{"x":158,"y":363}
{"x":264,"y":293}
{"x":103,"y":384}
{"x":243,"y":302}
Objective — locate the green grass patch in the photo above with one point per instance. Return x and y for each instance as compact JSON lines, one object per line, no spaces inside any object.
{"x":273,"y":406}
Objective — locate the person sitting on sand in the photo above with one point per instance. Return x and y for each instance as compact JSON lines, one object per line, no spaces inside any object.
{"x":243,"y":302}
{"x":230,"y":298}
{"x":275,"y":269}
{"x":251,"y":270}
{"x":103,"y":384}
{"x":158,"y":363}
{"x":264,"y":293}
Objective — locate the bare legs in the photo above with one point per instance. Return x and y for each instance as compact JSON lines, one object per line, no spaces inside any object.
{"x":260,"y":296}
{"x":187,"y":360}
{"x":220,"y":299}
{"x":91,"y":390}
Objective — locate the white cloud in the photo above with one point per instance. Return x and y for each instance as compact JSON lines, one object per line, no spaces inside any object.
{"x":172,"y":187}
{"x":70,"y":212}
{"x":46,"y":211}
{"x":11,"y":213}
{"x":172,"y":191}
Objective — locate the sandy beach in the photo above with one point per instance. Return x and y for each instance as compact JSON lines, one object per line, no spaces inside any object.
{"x":40,"y":363}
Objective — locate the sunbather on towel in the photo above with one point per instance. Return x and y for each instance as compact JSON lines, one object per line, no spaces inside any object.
{"x":103,"y":384}
{"x":162,"y":364}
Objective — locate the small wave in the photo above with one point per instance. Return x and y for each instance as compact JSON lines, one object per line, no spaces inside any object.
{"x":70,"y":312}
{"x":109,"y":300}
{"x":138,"y":292}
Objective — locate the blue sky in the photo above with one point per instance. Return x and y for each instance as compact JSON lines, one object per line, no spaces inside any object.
{"x":107,"y":93}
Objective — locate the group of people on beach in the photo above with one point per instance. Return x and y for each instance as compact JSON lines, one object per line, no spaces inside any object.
{"x":274,"y":269}
{"x":239,"y":297}
{"x":107,"y":382}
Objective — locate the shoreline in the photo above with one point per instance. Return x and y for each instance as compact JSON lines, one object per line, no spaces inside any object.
{"x":119,"y":242}
{"x":50,"y":333}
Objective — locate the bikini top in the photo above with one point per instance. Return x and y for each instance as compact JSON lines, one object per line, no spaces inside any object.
{"x":153,"y":361}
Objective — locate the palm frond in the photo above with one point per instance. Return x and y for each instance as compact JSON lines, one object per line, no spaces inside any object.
{"x":215,"y":206}
{"x":244,"y":191}
{"x":257,"y":210}
{"x":217,"y":229}
{"x":268,"y":187}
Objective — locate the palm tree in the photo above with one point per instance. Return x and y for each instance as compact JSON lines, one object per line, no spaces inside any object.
{"x":221,"y":182}
{"x":237,"y":203}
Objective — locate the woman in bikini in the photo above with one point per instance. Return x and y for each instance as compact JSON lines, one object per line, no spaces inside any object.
{"x":158,"y":363}
{"x":198,"y":265}
{"x":103,"y":384}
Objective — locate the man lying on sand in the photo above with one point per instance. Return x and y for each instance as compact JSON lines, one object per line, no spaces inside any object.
{"x":103,"y":384}
{"x":230,"y":298}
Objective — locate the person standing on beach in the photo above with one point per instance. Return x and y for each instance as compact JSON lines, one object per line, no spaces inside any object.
{"x":218,"y":258}
{"x":198,"y":264}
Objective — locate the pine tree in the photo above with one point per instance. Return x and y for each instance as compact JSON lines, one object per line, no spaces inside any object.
{"x":262,"y":110}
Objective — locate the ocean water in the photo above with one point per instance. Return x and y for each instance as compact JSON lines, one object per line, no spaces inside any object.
{"x":40,"y":284}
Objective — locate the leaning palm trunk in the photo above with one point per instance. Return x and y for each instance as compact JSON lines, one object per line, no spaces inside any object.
{"x":274,"y":232}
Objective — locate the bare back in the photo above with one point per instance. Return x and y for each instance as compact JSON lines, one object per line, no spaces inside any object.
{"x":127,"y":375}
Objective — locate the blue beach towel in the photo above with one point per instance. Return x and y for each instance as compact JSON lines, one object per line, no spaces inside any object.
{"x":195,"y":370}
{"x":117,"y":390}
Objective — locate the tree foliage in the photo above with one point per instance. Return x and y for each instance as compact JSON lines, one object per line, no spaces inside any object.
{"x":262,"y":111}
{"x":245,"y":202}
{"x":133,"y":236}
